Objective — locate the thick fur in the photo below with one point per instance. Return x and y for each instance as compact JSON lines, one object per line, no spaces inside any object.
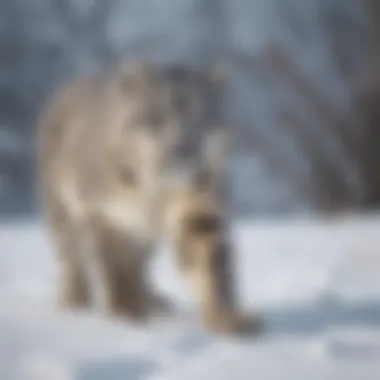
{"x":106,"y":143}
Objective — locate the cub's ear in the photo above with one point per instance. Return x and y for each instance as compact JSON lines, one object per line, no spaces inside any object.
{"x":136,"y":67}
{"x":219,"y":72}
{"x":133,"y":73}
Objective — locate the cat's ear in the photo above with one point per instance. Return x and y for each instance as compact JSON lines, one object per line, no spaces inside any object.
{"x":136,"y":67}
{"x":135,"y":72}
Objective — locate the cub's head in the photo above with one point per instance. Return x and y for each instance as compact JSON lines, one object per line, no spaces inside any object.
{"x":177,"y":117}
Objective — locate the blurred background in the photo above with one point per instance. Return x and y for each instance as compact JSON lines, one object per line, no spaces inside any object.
{"x":304,"y":93}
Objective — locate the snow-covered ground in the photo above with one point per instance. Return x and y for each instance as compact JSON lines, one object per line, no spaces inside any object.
{"x":316,"y":282}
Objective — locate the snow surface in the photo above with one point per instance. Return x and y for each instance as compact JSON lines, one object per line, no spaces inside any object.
{"x":317,"y":282}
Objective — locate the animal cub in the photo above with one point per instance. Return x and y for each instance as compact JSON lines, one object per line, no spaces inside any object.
{"x":127,"y":155}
